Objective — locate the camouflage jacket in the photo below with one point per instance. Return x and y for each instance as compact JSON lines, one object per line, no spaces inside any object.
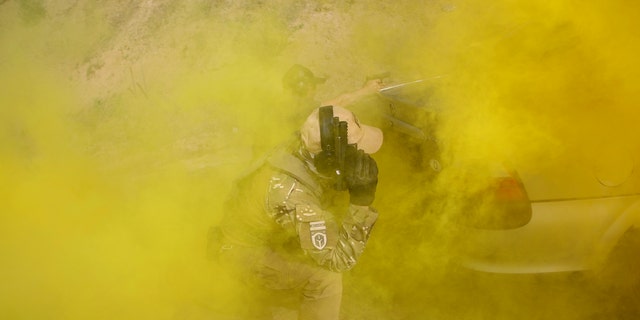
{"x":282,"y":206}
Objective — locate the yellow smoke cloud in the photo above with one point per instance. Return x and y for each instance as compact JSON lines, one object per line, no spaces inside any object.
{"x":123,"y":125}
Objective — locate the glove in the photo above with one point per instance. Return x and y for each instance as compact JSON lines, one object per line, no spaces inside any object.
{"x":361,"y":178}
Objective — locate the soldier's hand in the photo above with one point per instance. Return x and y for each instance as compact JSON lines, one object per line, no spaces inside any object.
{"x":361,"y":177}
{"x":373,"y":86}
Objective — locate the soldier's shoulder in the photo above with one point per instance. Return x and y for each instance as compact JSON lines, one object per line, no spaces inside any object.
{"x":284,"y":188}
{"x":281,"y":182}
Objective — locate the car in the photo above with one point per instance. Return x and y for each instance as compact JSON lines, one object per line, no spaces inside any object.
{"x":571,"y":212}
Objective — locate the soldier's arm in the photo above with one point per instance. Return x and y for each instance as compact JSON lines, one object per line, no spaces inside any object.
{"x":347,"y":99}
{"x":335,"y":245}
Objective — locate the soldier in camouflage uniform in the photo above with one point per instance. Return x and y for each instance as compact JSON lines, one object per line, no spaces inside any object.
{"x":287,"y":230}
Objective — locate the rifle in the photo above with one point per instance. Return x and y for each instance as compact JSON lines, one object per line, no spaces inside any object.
{"x":333,"y":139}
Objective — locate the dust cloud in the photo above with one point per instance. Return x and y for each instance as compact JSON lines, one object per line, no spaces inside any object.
{"x":122,"y":126}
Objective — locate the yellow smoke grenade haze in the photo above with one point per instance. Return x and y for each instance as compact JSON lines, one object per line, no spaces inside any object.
{"x":122,"y":126}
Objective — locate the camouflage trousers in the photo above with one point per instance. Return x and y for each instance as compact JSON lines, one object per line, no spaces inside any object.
{"x":272,"y":281}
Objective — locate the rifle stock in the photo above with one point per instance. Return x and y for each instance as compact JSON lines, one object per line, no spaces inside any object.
{"x":340,"y":131}
{"x":334,"y":143}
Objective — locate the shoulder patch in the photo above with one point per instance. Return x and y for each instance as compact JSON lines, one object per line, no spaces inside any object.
{"x":318,"y":231}
{"x":315,"y":230}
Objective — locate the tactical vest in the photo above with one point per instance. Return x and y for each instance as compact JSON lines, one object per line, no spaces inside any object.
{"x":245,"y":221}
